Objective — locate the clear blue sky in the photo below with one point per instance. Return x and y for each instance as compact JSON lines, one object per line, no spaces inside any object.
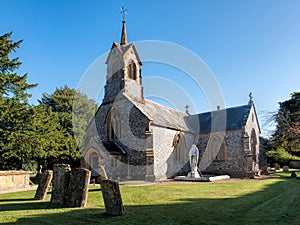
{"x":249,"y":45}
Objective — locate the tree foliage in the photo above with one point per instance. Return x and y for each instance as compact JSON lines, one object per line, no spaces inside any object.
{"x":43,"y":134}
{"x":285,"y":141}
{"x":287,"y":132}
{"x":64,"y":104}
{"x":14,"y":108}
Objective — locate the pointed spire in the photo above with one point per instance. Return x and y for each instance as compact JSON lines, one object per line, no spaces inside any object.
{"x":124,"y":35}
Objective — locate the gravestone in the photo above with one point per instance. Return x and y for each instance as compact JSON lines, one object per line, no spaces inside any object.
{"x":112,"y":197}
{"x":285,"y":169}
{"x":60,"y":184}
{"x":78,"y":187}
{"x":277,"y":166}
{"x":45,"y":181}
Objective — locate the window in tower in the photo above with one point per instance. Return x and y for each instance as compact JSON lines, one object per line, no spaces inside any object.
{"x":131,"y":70}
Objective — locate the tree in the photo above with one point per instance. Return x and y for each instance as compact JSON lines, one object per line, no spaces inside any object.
{"x":66,"y":104}
{"x":44,"y":133}
{"x":46,"y":136}
{"x":14,"y":108}
{"x":287,"y":132}
{"x":285,"y":141}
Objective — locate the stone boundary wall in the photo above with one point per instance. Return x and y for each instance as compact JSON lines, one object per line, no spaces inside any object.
{"x":294,"y":164}
{"x":14,"y":180}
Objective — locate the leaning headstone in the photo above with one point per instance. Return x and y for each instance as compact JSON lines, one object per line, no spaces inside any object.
{"x":60,"y":184}
{"x":78,"y":187}
{"x":285,"y":169}
{"x":112,"y":197}
{"x":45,"y":181}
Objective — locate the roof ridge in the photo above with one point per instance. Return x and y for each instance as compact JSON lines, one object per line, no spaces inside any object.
{"x":233,"y":107}
{"x":161,"y":105}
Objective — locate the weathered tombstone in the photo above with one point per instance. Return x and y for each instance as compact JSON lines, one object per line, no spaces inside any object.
{"x":78,"y":187}
{"x":112,"y":197}
{"x":293,"y":175}
{"x":277,"y":166}
{"x":45,"y":181}
{"x":60,"y":184}
{"x":285,"y":169}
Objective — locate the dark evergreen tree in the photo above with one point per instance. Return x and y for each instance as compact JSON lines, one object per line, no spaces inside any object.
{"x":285,"y":142}
{"x":74,"y":112}
{"x":287,"y":132}
{"x":15,"y":144}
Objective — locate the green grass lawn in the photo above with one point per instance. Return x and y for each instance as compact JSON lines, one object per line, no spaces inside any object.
{"x":272,"y":201}
{"x":286,"y":174}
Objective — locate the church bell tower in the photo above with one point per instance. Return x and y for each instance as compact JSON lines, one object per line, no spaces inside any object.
{"x":123,"y":70}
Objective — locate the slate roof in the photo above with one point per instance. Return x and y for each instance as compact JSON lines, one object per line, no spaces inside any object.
{"x":230,"y":118}
{"x":162,"y":115}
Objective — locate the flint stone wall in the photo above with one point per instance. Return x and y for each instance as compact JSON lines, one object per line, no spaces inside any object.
{"x":133,"y":140}
{"x":235,"y":163}
{"x":164,"y":165}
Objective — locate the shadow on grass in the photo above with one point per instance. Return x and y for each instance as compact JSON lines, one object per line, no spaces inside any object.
{"x":29,"y":205}
{"x":17,"y":200}
{"x":276,"y":204}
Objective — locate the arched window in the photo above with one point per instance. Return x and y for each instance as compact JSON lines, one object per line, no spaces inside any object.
{"x":179,"y":147}
{"x":253,"y":143}
{"x":131,"y":70}
{"x":221,"y":156}
{"x":216,"y":148}
{"x":113,"y":125}
{"x":94,"y":163}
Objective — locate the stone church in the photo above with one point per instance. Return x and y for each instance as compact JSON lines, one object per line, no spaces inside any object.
{"x":134,"y":138}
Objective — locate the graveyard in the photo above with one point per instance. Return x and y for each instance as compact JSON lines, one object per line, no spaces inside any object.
{"x":174,"y":114}
{"x":236,"y":201}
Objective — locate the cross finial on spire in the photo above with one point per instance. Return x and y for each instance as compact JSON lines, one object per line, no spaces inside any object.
{"x":123,"y":35}
{"x":250,"y":98}
{"x":187,"y":109}
{"x":123,"y":11}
